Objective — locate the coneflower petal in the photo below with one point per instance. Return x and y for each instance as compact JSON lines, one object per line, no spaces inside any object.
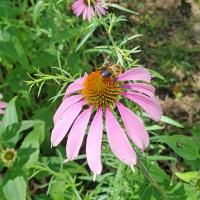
{"x":77,"y":133}
{"x":89,"y":10}
{"x":3,"y":105}
{"x":141,"y":88}
{"x":150,"y":105}
{"x":64,"y":123}
{"x":135,"y":128}
{"x":135,"y":74}
{"x":85,"y":12}
{"x":2,"y":111}
{"x":118,"y":141}
{"x":75,"y":86}
{"x":67,"y":102}
{"x":79,"y":10}
{"x":93,"y":144}
{"x":77,"y":4}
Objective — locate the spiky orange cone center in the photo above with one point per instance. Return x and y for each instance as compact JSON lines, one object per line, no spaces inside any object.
{"x":99,"y":91}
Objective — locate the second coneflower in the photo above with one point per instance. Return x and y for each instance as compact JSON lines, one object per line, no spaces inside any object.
{"x":2,"y":105}
{"x":100,"y":95}
{"x":89,"y":8}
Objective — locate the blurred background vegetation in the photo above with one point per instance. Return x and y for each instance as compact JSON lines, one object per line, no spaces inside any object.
{"x":38,"y":37}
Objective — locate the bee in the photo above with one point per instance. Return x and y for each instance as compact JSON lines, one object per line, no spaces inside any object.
{"x":113,"y":70}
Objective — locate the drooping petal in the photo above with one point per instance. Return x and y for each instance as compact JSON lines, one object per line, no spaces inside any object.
{"x":135,"y":129}
{"x":93,"y":145}
{"x":85,"y":12}
{"x":141,"y":88}
{"x":100,"y":10}
{"x":77,"y":133}
{"x":64,"y":123}
{"x":89,"y":10}
{"x":79,"y":10}
{"x":150,"y":105}
{"x":67,"y":102}
{"x":2,"y":111}
{"x":88,"y":16}
{"x":3,"y":104}
{"x":135,"y":74}
{"x":118,"y":141}
{"x":75,"y":86}
{"x":77,"y":4}
{"x":90,"y":13}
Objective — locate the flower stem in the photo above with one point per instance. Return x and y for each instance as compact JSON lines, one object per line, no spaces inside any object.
{"x":150,"y":178}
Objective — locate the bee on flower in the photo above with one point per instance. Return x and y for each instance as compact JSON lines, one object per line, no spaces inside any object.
{"x":89,"y":8}
{"x":93,"y":98}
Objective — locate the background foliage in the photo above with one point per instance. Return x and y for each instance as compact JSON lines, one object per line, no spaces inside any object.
{"x":43,"y":44}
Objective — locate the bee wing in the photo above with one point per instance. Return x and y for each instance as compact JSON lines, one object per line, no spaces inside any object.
{"x":105,"y":73}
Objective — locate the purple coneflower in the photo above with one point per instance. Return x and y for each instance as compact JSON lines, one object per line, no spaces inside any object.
{"x":90,"y":98}
{"x":89,"y":8}
{"x":2,"y":105}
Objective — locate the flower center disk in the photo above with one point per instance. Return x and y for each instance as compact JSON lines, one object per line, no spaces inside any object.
{"x":99,"y":91}
{"x":90,"y":2}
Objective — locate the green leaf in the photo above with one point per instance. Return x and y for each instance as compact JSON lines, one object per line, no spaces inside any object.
{"x":158,"y":173}
{"x":10,"y":135}
{"x":39,"y":7}
{"x":33,"y":140}
{"x":154,"y":127}
{"x":156,"y":74}
{"x":121,"y":8}
{"x":170,"y":121}
{"x":45,"y":58}
{"x":187,"y":176}
{"x":57,"y":189}
{"x":184,"y":146}
{"x":156,"y":158}
{"x":26,"y":124}
{"x":21,"y":53}
{"x":196,"y":129}
{"x":10,"y":116}
{"x":145,"y":191}
{"x":90,"y":31}
{"x":15,"y":189}
{"x":16,"y":79}
{"x":7,"y":9}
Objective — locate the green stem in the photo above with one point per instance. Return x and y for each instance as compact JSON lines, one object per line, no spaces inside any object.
{"x":150,"y":178}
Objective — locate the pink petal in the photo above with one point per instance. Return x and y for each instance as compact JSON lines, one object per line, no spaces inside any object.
{"x":67,"y":102}
{"x":75,"y":86}
{"x":90,"y":13}
{"x":135,"y":74}
{"x":93,"y":145}
{"x":150,"y":105}
{"x":81,"y":79}
{"x":135,"y":129}
{"x":85,"y":12}
{"x":77,"y":4}
{"x":79,"y":10}
{"x":118,"y":141}
{"x":100,"y":10}
{"x":2,"y":111}
{"x":77,"y":133}
{"x":141,"y":88}
{"x":64,"y":123}
{"x":3,"y":105}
